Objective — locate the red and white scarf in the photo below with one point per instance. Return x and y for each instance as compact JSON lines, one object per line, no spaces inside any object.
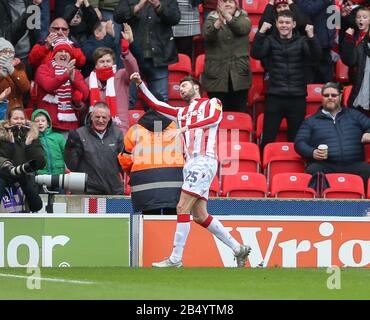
{"x":104,"y":74}
{"x":63,"y":97}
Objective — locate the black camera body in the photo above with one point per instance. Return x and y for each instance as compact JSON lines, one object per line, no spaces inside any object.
{"x":19,"y":130}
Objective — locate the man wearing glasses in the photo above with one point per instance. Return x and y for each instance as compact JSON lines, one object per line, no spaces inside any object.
{"x":42,"y":53}
{"x":12,"y":75}
{"x":343,"y":130}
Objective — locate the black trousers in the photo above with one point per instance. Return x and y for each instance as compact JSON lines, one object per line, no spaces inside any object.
{"x":321,"y":71}
{"x":29,"y":189}
{"x":277,"y":108}
{"x":232,"y":100}
{"x":360,"y":168}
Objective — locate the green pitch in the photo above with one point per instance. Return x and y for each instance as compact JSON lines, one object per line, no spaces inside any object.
{"x":195,"y":283}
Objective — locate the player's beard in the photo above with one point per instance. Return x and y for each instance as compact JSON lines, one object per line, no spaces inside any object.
{"x":189,"y":95}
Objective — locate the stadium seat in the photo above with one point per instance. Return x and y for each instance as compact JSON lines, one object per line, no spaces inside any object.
{"x":28,"y":113}
{"x":134,"y":116}
{"x":236,"y":126}
{"x":291,"y":185}
{"x":252,"y":33}
{"x":282,"y":134}
{"x":238,"y":157}
{"x":250,"y":185}
{"x":254,"y":6}
{"x":174,"y":98}
{"x":344,"y":186}
{"x":280,"y":157}
{"x":214,"y":190}
{"x":346,"y":93}
{"x":256,"y":91}
{"x":367,"y":152}
{"x":313,"y":98}
{"x":199,"y":66}
{"x":341,"y":72}
{"x":198,"y":40}
{"x":177,"y":71}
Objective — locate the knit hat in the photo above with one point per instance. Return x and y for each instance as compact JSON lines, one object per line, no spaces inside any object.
{"x":5,"y":44}
{"x":62,"y":44}
{"x":277,"y":2}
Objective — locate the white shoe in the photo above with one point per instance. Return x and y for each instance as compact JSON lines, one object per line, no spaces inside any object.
{"x":167,"y":263}
{"x":242,"y":256}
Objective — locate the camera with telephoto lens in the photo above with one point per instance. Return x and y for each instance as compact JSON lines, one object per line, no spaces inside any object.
{"x":24,"y":168}
{"x":73,"y":181}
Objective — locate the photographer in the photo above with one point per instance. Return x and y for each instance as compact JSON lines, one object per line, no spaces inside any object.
{"x":20,"y":153}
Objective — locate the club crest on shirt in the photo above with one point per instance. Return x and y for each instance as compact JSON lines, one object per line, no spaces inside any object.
{"x":218,"y":106}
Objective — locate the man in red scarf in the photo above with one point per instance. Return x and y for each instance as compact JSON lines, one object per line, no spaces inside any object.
{"x":61,"y":87}
{"x":107,"y":84}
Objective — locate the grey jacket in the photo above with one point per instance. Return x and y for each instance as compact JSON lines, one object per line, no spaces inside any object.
{"x":86,"y":152}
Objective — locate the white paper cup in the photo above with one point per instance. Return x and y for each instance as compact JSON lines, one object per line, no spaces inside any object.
{"x":324,"y":147}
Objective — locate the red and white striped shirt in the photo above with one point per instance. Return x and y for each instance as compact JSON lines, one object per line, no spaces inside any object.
{"x":202,"y":117}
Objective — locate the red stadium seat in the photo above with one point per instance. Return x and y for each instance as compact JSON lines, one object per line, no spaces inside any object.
{"x":341,"y":72}
{"x":256,"y":91}
{"x":313,"y":98}
{"x":250,"y":185}
{"x":199,"y":66}
{"x":236,"y":126}
{"x":367,"y":152}
{"x":281,"y":136}
{"x":280,"y":157}
{"x":252,"y":33}
{"x":238,"y":157}
{"x":177,"y":71}
{"x":28,"y":113}
{"x":344,"y":186}
{"x":214,"y":190}
{"x":254,"y":6}
{"x":346,"y":93}
{"x":134,"y":116}
{"x":174,"y":98}
{"x":291,"y":185}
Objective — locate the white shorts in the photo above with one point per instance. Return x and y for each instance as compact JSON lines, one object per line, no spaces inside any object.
{"x":198,"y":176}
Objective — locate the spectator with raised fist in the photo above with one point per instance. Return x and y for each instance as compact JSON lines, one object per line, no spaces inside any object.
{"x":286,"y":54}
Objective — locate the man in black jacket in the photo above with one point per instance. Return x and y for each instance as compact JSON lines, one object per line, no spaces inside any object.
{"x":343,"y":130}
{"x":286,"y":53}
{"x":151,"y":22}
{"x":93,"y":149}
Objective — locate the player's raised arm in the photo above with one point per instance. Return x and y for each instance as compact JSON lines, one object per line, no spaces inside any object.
{"x":160,"y":106}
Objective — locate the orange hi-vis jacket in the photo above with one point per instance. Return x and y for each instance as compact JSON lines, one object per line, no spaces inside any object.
{"x":149,"y":150}
{"x":154,"y":163}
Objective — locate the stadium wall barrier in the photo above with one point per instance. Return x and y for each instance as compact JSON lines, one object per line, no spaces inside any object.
{"x":64,"y":240}
{"x":276,"y":241}
{"x":219,"y":206}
